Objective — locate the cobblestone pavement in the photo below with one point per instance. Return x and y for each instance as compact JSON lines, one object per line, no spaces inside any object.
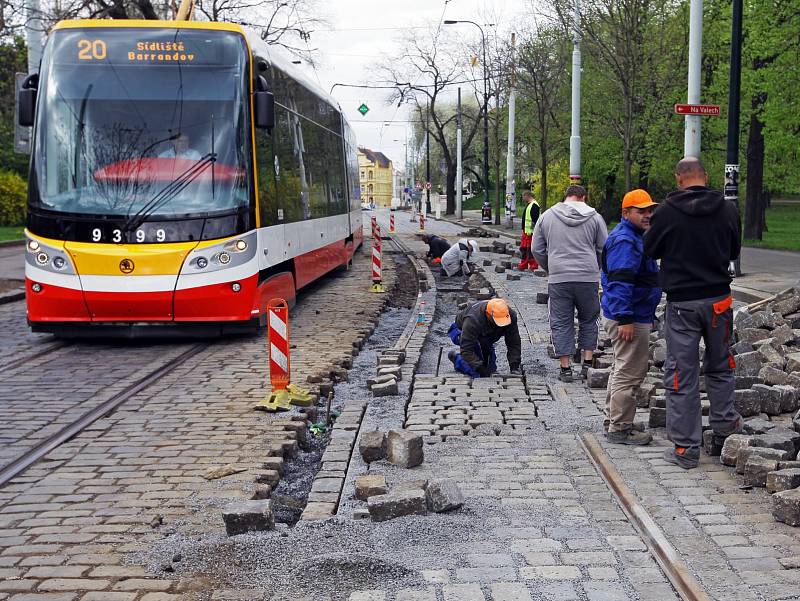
{"x":69,"y":524}
{"x":123,"y":511}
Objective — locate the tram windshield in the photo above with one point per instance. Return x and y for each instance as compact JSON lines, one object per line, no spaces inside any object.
{"x":141,"y":122}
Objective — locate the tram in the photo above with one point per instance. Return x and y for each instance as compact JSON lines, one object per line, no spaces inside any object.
{"x":182,"y":174}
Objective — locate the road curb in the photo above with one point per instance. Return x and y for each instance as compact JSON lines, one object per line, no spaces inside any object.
{"x":10,"y":243}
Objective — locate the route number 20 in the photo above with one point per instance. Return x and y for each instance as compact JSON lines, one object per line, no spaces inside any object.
{"x":91,"y":50}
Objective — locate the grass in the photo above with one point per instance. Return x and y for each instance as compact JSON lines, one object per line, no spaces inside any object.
{"x":783,"y":222}
{"x":11,"y":233}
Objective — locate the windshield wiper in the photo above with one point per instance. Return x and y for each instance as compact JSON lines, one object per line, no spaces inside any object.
{"x":170,"y":191}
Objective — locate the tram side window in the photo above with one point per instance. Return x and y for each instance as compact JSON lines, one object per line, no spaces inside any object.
{"x":283,"y":191}
{"x":338,"y":196}
{"x":318,"y":166}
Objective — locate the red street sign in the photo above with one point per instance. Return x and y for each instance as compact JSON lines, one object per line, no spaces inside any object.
{"x":704,"y":110}
{"x":427,"y":185}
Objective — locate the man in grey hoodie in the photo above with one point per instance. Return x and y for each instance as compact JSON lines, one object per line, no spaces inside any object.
{"x":567,"y":242}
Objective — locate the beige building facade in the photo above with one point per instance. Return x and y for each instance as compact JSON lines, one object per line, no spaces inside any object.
{"x":376,"y":177}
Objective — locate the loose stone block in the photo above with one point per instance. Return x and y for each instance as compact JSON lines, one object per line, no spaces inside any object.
{"x":542,"y":298}
{"x":773,"y":376}
{"x":397,"y":504}
{"x":758,"y":426}
{"x":747,"y":452}
{"x":730,"y":449}
{"x":786,"y":506}
{"x":444,"y":495}
{"x":385,"y":388}
{"x":747,"y":402}
{"x":404,"y":448}
{"x":597,"y":378}
{"x":657,"y":418}
{"x":248,"y":516}
{"x":396,"y":372}
{"x":370,"y":486}
{"x":793,"y":362}
{"x":785,"y":479}
{"x":756,"y":469}
{"x":748,"y":364}
{"x":782,"y":439}
{"x":372,"y":446}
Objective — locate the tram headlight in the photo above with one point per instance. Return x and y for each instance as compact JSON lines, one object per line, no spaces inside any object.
{"x":236,"y":246}
{"x":33,"y":245}
{"x":223,"y":258}
{"x":42,"y":258}
{"x":201,"y":262}
{"x":59,"y":262}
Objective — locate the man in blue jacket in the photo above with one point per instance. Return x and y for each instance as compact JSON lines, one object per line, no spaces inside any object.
{"x":630,"y":297}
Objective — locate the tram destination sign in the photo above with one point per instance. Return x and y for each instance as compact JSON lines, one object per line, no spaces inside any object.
{"x":703,"y":110}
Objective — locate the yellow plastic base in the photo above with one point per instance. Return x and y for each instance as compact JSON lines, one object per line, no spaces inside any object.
{"x":378,"y":288}
{"x":282,"y":400}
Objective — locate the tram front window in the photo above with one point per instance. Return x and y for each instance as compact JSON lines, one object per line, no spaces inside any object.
{"x":141,"y":123}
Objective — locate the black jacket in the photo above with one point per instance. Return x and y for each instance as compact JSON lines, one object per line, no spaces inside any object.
{"x":695,"y":233}
{"x":438,"y":246}
{"x":477,"y":328}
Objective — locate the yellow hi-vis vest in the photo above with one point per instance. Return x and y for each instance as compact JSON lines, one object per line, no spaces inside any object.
{"x":527,"y":222}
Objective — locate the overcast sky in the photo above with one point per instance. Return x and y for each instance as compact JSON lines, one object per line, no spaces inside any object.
{"x":361,"y":31}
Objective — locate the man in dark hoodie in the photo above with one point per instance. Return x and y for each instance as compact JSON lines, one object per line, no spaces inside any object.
{"x":436,"y":247}
{"x":696,"y":233}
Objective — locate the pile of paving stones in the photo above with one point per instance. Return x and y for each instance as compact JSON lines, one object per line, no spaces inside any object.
{"x":479,"y":232}
{"x":766,"y":350}
{"x":389,"y":373}
{"x":402,"y":448}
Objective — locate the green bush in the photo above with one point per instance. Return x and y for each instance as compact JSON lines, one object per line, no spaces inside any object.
{"x":13,"y":198}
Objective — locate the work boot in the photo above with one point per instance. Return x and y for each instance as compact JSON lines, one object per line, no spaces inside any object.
{"x":585,"y":370}
{"x":686,"y":457}
{"x":638,"y":426}
{"x":630,"y":437}
{"x":718,"y":440}
{"x":566,"y":375}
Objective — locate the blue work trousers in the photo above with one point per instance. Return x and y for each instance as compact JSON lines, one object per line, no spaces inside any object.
{"x":461,"y":365}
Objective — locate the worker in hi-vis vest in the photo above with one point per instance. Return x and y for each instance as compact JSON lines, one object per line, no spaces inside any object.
{"x":529,"y":217}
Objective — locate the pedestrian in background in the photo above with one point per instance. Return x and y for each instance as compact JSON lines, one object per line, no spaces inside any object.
{"x":459,"y":258}
{"x":530,"y":215}
{"x":436,"y":247}
{"x":696,"y":233}
{"x":567,"y":242}
{"x":476,"y":329}
{"x":630,"y":298}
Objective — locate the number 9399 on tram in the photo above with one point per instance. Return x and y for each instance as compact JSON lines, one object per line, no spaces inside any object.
{"x":182,"y":174}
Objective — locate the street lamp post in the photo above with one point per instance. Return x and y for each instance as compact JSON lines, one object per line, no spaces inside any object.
{"x":485,"y":120}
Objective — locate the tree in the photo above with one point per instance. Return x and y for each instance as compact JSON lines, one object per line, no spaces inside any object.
{"x":543,"y":77}
{"x":423,"y":74}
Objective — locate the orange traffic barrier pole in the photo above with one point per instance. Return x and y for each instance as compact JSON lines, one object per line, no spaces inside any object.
{"x":391,"y":223}
{"x":377,"y":267}
{"x":422,"y":222}
{"x":374,"y":225}
{"x":284,"y":393}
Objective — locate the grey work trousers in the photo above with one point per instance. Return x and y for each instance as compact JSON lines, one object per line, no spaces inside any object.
{"x":631,"y":359}
{"x":686,"y":322}
{"x":565,"y":298}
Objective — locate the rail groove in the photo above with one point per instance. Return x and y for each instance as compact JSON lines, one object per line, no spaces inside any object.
{"x":46,"y":350}
{"x":660,"y":548}
{"x":24,"y":461}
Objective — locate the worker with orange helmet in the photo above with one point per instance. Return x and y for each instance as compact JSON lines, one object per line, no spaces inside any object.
{"x":476,"y":329}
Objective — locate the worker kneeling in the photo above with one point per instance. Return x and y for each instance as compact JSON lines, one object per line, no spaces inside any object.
{"x":476,"y":329}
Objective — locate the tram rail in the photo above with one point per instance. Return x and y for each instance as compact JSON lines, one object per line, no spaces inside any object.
{"x":22,"y":462}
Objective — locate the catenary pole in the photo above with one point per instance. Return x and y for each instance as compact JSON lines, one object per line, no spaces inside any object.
{"x":575,"y":137}
{"x":691,"y":139}
{"x":33,"y":35}
{"x":512,"y":104}
{"x":459,"y":168}
{"x":734,"y":86}
{"x":427,"y":159}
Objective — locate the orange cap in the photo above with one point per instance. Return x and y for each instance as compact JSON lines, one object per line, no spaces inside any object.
{"x":637,"y":198}
{"x":498,"y":310}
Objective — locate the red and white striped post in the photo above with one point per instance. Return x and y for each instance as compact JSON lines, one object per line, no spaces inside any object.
{"x":391,"y":223}
{"x":278,"y":337}
{"x":374,"y":225}
{"x":377,"y":271}
{"x":422,"y":222}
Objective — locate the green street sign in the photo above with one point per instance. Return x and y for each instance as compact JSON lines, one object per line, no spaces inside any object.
{"x":363,"y":109}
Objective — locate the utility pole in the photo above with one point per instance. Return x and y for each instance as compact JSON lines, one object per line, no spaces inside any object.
{"x":427,"y":158}
{"x":459,"y":171}
{"x":511,"y":193}
{"x":575,"y":137}
{"x":33,"y":35}
{"x":691,"y":139}
{"x":731,"y":189}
